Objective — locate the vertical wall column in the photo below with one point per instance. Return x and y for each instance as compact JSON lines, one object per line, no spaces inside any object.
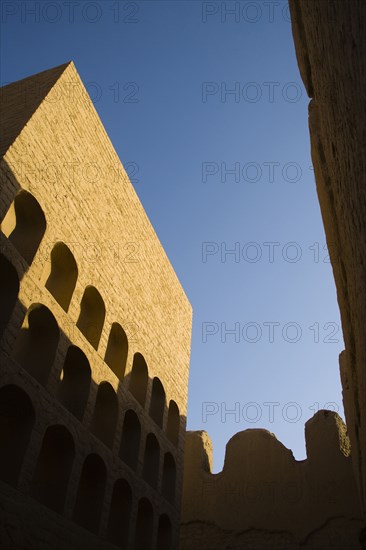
{"x":330,"y":45}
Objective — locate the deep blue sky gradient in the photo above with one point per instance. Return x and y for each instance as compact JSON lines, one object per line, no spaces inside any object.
{"x":170,"y":51}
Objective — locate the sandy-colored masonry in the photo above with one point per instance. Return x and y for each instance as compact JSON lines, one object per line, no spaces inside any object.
{"x":95,"y":336}
{"x":330,"y":46}
{"x":264,"y":499}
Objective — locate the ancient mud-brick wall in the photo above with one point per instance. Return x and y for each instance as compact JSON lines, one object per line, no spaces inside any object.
{"x":94,"y":337}
{"x":265,"y":499}
{"x":330,"y":41}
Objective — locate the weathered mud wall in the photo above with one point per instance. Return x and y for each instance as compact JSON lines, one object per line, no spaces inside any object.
{"x":330,"y":41}
{"x":264,"y":498}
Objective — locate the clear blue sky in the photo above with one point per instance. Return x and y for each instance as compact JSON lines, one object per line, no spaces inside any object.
{"x":160,"y":73}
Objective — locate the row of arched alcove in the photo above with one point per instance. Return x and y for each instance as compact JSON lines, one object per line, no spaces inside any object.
{"x":50,"y":483}
{"x":35,"y":350}
{"x":25,"y":225}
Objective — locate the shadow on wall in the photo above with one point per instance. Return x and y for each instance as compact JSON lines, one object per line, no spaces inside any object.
{"x":104,"y":459}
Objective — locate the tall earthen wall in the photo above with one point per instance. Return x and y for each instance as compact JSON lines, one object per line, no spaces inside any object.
{"x":95,"y":336}
{"x":330,"y":41}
